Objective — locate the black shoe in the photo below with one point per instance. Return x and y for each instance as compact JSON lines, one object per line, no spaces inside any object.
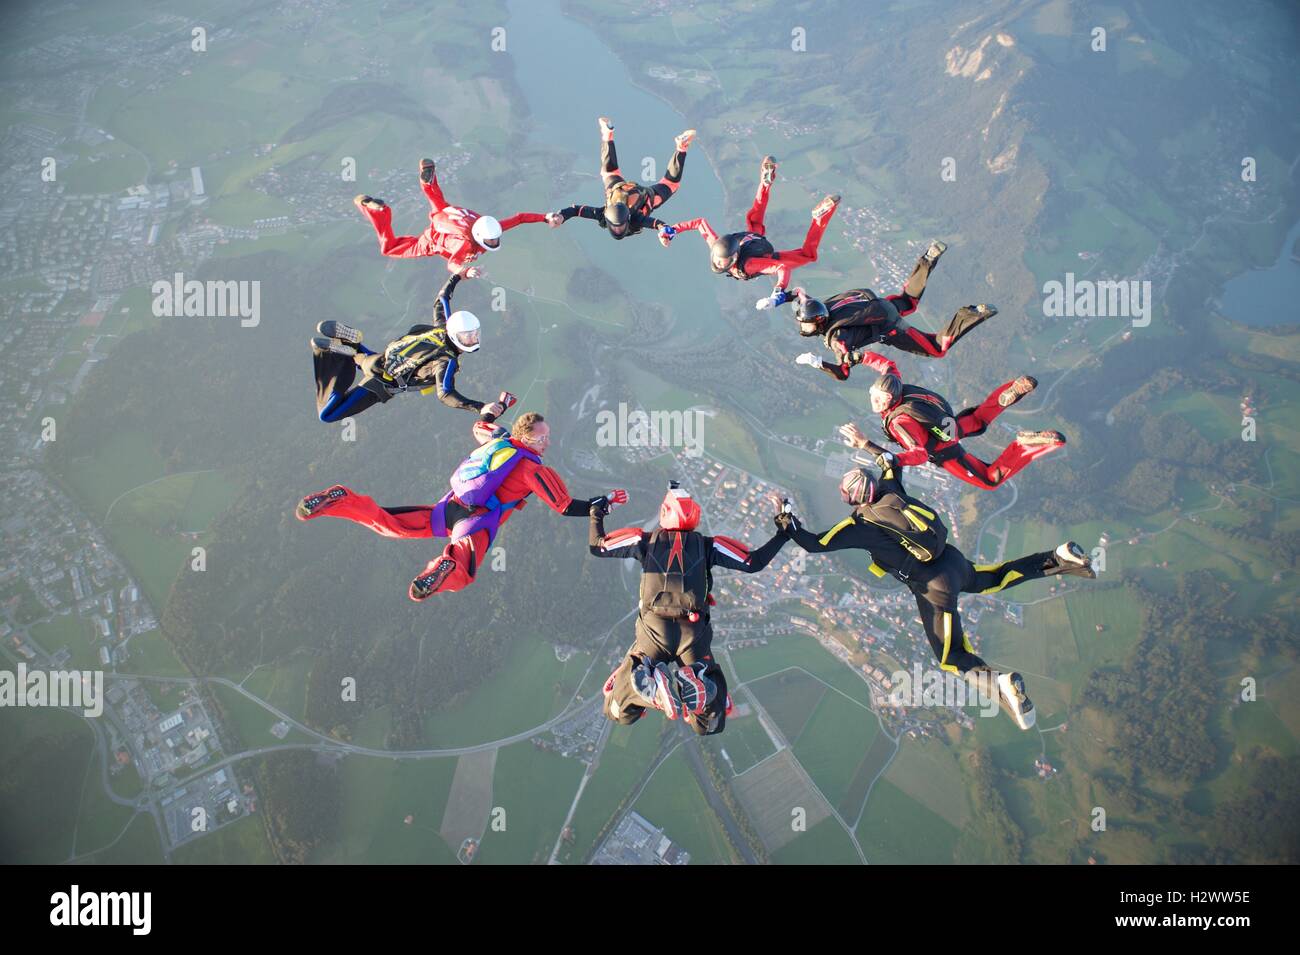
{"x":428,"y":170}
{"x":369,"y":202}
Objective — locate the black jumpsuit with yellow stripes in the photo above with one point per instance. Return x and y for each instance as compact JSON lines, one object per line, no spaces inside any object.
{"x":937,"y":583}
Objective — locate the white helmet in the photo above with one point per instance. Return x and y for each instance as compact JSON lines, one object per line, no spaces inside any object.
{"x":487,"y":232}
{"x":462,"y":329}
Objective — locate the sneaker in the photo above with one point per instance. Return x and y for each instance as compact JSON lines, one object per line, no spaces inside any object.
{"x":337,"y":330}
{"x":985,"y":311}
{"x":606,"y":128}
{"x":1019,"y":388}
{"x":826,"y":207}
{"x":767,"y":171}
{"x":666,"y":697}
{"x":427,"y":584}
{"x":428,"y":170}
{"x":314,"y":505}
{"x":321,"y":346}
{"x":369,"y":202}
{"x":1073,"y":559}
{"x":1012,"y":698}
{"x":683,"y":140}
{"x":1037,"y":439}
{"x":935,"y":250}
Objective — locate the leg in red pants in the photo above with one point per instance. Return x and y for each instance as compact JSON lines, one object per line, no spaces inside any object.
{"x":816,"y":229}
{"x":754,"y":217}
{"x":396,"y":246}
{"x":453,"y":570}
{"x":433,"y":192}
{"x":966,"y":467}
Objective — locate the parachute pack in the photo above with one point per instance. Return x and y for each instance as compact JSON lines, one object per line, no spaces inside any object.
{"x":476,"y":480}
{"x":675,"y":575}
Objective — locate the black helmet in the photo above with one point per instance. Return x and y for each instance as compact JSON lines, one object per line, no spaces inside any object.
{"x":617,"y":217}
{"x":723,"y":253}
{"x":811,"y":314}
{"x":858,"y":487}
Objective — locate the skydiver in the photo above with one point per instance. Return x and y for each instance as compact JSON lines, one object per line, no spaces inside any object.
{"x":627,"y":205}
{"x":456,"y":234}
{"x":906,"y":538}
{"x":746,"y":255}
{"x":673,"y":623}
{"x":923,"y":423}
{"x":425,"y":359}
{"x":487,"y":487}
{"x":856,"y":319}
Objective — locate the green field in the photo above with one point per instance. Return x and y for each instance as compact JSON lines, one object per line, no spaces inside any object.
{"x":899,"y":829}
{"x":824,"y":844}
{"x":378,"y":794}
{"x":673,"y":801}
{"x":626,"y":759}
{"x":535,"y":788}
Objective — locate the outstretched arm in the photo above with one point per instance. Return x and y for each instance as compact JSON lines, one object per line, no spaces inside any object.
{"x":878,"y":362}
{"x":624,"y":542}
{"x":732,"y":554}
{"x":521,"y":218}
{"x":442,"y":307}
{"x":697,"y":225}
{"x":445,"y":386}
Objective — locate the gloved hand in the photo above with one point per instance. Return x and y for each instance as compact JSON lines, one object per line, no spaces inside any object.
{"x":473,"y":272}
{"x":786,"y":523}
{"x":616,"y":497}
{"x":485,"y":431}
{"x":884,"y":459}
{"x":491,"y":411}
{"x":809,"y":359}
{"x":666,"y":235}
{"x":778,"y":298}
{"x":506,"y":399}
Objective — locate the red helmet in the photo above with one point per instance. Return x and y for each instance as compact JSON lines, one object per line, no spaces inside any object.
{"x":679,"y":511}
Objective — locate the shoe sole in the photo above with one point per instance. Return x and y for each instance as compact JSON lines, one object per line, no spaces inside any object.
{"x":306,"y":510}
{"x":322,"y":346}
{"x":1037,"y":442}
{"x":1022,"y":717}
{"x":426,"y":585}
{"x":1011,"y":395}
{"x":664,"y":689}
{"x":344,"y":333}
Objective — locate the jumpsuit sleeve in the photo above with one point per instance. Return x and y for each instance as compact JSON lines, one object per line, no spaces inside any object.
{"x":769,"y":266}
{"x":624,"y":542}
{"x":442,"y":307}
{"x":583,"y":212}
{"x":845,"y":535}
{"x":521,"y":218}
{"x":733,"y":555}
{"x":445,"y":386}
{"x":909,"y":433}
{"x":551,"y":491}
{"x":878,"y":362}
{"x":697,"y":225}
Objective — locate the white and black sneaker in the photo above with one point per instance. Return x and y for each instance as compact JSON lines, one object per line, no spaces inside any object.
{"x":1073,"y":559}
{"x":1012,"y":698}
{"x":344,"y":333}
{"x":666,"y":697}
{"x":321,"y":345}
{"x":935,"y":250}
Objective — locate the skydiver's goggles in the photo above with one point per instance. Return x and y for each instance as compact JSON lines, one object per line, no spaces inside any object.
{"x":491,"y":243}
{"x":468,"y":338}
